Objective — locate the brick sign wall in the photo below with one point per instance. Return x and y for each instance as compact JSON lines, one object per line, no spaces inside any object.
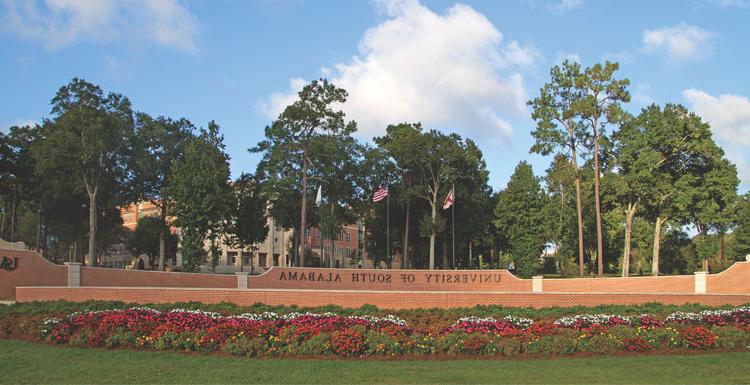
{"x":26,"y":276}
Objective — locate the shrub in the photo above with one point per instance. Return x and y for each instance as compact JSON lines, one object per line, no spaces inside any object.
{"x":475,"y":344}
{"x":562,"y":343}
{"x":121,"y":337}
{"x":731,"y":338}
{"x":661,"y":338}
{"x":636,"y":344}
{"x":422,"y":343}
{"x":510,"y":346}
{"x":698,"y":338}
{"x":317,"y":345}
{"x":603,"y":343}
{"x":348,"y":342}
{"x":245,"y":346}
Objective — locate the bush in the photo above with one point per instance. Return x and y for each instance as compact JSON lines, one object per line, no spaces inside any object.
{"x":512,"y":346}
{"x":348,"y":342}
{"x":698,"y":338}
{"x":602,"y":343}
{"x":563,"y":343}
{"x":731,"y":338}
{"x":661,"y":338}
{"x":121,"y":337}
{"x":245,"y":346}
{"x":636,"y":344}
{"x":317,"y":345}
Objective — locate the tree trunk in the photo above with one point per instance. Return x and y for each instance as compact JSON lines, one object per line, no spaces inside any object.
{"x":303,"y":214}
{"x":38,"y":228}
{"x":432,"y":239}
{"x":364,"y":244}
{"x":445,"y":254}
{"x":722,"y":249}
{"x":13,"y":216}
{"x":579,"y":206}
{"x":405,"y":258}
{"x":242,"y":259}
{"x":2,"y":223}
{"x":599,"y":241}
{"x":92,"y":226}
{"x":657,"y":239}
{"x":162,"y":236}
{"x":470,"y":253}
{"x":628,"y":231}
{"x":333,"y":242}
{"x":579,"y":209}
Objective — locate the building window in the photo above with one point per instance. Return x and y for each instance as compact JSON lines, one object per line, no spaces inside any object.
{"x":319,"y":233}
{"x":307,"y":232}
{"x":232,"y":260}
{"x":348,"y":252}
{"x":348,"y":237}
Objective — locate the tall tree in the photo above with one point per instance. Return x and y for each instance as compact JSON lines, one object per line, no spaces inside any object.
{"x":399,"y":144}
{"x":686,"y":171}
{"x":248,"y":221}
{"x":519,"y":215}
{"x":556,"y":112}
{"x":202,"y":195}
{"x":639,"y":165}
{"x":741,"y":246}
{"x":160,"y":143}
{"x":601,"y":105}
{"x":560,"y":211}
{"x":91,"y":137}
{"x":288,"y":139}
{"x":438,"y":157}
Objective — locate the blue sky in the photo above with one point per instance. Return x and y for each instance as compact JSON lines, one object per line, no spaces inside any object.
{"x":466,"y":67}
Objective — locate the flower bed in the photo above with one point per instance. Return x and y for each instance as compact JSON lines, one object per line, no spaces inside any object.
{"x":311,"y":334}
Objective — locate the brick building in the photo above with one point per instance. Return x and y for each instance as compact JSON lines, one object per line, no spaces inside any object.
{"x":346,"y":250}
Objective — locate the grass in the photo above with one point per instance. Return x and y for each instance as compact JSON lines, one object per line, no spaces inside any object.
{"x":26,"y":362}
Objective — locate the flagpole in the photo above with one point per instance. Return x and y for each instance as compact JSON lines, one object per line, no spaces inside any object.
{"x":321,"y":233}
{"x":388,"y":228}
{"x":453,"y":222}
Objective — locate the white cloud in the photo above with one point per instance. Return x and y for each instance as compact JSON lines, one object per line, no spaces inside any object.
{"x":623,"y":57}
{"x":730,"y":3}
{"x":729,"y":117}
{"x":446,"y":70}
{"x":569,"y":56}
{"x":58,"y":23}
{"x":682,"y":42}
{"x":566,"y":5}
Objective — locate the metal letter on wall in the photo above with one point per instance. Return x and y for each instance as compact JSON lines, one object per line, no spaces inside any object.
{"x":9,"y":264}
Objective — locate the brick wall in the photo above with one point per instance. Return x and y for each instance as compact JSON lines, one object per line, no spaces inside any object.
{"x":32,"y":270}
{"x":353,"y":299}
{"x":735,"y":279}
{"x":379,"y":279}
{"x":355,"y":287}
{"x":94,"y":276}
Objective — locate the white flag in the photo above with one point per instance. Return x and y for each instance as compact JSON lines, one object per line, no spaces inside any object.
{"x":319,"y":198}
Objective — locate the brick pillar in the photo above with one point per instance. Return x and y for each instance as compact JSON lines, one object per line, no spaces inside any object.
{"x":536,"y":283}
{"x":74,"y":274}
{"x":242,"y":279}
{"x":700,"y":282}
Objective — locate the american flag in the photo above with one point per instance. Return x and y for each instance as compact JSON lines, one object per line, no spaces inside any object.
{"x":380,"y":194}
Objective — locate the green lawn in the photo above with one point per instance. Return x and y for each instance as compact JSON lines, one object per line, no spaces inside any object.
{"x":25,"y":362}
